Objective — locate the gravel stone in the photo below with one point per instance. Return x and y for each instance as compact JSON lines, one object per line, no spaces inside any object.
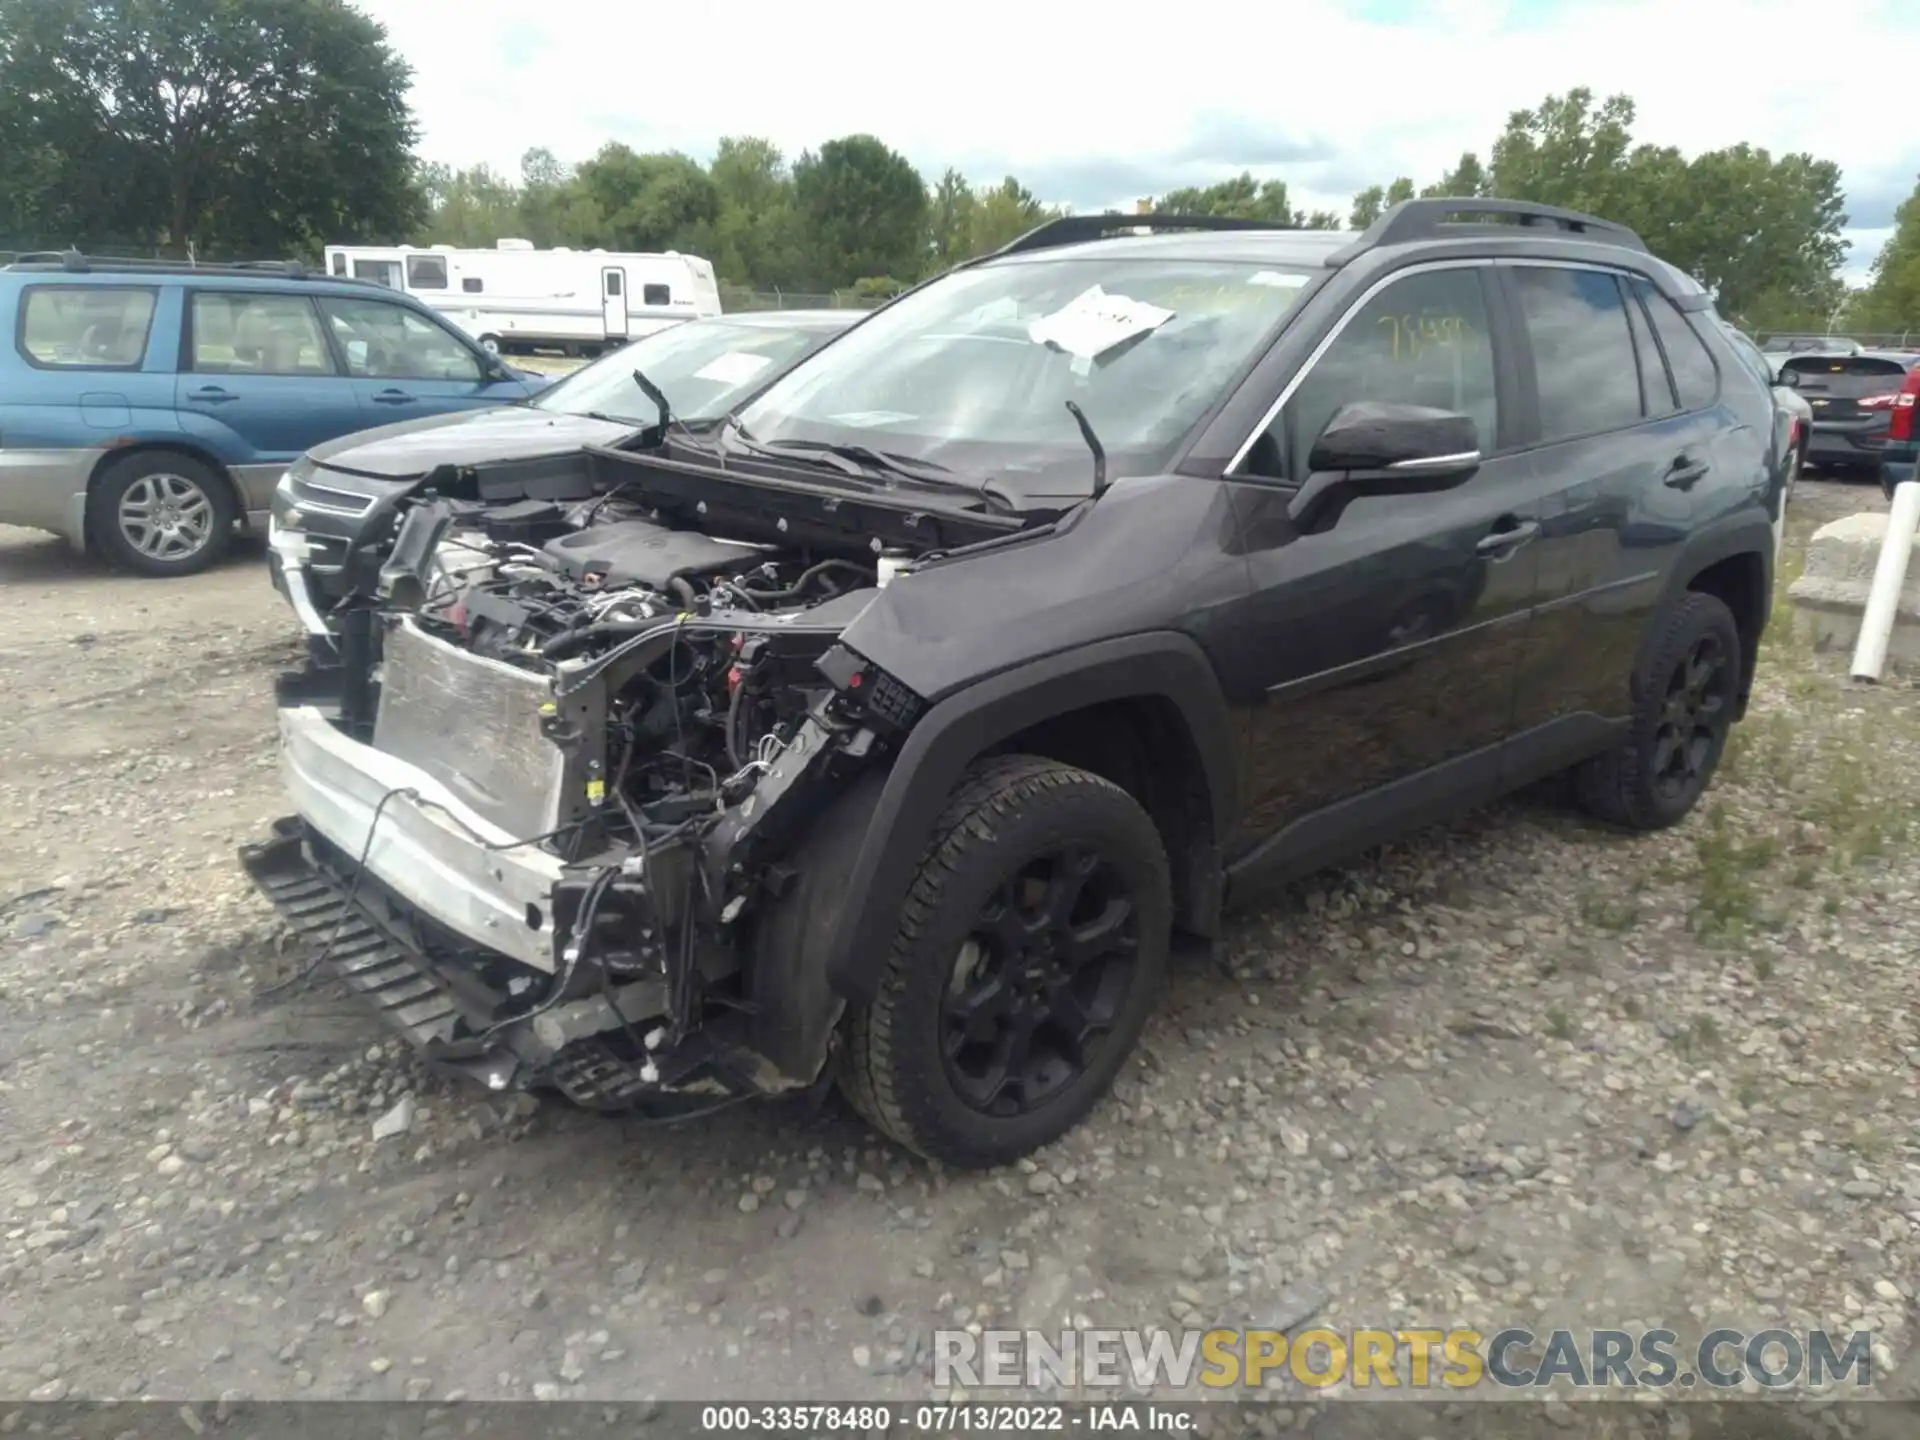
{"x":1512,"y":1068}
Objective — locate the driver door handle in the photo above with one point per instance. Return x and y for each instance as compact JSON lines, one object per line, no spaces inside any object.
{"x":1502,"y":543}
{"x":393,"y":397}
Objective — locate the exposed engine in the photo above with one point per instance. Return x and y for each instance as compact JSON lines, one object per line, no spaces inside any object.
{"x":661,"y":710}
{"x":686,"y":717}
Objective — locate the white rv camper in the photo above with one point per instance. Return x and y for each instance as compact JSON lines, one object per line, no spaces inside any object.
{"x":515,"y":295}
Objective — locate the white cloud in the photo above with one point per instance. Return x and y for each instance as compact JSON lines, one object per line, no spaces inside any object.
{"x":1087,"y":95}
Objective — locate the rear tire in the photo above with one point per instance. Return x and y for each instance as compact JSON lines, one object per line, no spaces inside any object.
{"x":161,"y":514}
{"x":1685,"y":696}
{"x":1032,"y":946}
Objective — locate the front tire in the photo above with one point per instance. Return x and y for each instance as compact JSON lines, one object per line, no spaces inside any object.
{"x":1685,"y":697}
{"x":162,"y":514}
{"x":1031,"y":949}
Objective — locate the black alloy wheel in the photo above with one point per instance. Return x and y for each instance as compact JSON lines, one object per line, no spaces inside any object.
{"x":1693,"y":718}
{"x":1030,"y":950}
{"x":1686,"y":696}
{"x":1039,"y":982}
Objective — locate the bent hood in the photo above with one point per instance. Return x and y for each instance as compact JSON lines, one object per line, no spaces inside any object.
{"x":508,"y":432}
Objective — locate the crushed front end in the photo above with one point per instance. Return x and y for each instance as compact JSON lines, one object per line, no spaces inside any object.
{"x":557,"y":802}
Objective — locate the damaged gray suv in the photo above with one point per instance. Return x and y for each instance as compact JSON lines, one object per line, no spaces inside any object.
{"x":887,"y":729}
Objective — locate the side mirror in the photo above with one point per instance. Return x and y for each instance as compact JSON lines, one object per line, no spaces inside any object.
{"x":1375,"y":447}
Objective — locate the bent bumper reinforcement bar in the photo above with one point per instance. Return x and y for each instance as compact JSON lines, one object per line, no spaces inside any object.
{"x":429,"y":848}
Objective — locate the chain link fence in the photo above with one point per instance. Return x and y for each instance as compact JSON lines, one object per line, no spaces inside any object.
{"x":738,"y":297}
{"x":1870,"y":339}
{"x":12,"y":249}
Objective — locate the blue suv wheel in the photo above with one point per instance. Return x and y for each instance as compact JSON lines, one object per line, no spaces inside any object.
{"x":162,"y":513}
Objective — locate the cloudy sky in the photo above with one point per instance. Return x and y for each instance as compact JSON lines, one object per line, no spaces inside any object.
{"x":1095,"y":105}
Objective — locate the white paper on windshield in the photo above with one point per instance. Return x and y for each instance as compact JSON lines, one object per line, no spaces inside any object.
{"x":867,"y":419}
{"x":736,"y":367}
{"x":1277,"y":280}
{"x":1093,"y":322}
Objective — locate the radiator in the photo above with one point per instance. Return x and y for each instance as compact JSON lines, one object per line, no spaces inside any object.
{"x":474,"y":725}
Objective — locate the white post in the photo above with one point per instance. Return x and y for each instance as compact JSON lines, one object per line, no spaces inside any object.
{"x":1883,"y":600}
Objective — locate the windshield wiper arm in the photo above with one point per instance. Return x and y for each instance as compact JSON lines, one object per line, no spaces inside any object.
{"x":1093,"y":444}
{"x":911,"y":466}
{"x":864,"y":460}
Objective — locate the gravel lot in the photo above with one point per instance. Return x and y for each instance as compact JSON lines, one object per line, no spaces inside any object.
{"x":1516,"y":1070}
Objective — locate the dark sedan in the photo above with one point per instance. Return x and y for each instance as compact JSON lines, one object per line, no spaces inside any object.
{"x":1852,"y":397}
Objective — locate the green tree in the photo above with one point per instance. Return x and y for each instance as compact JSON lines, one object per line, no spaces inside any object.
{"x":259,"y":123}
{"x":1891,"y":299}
{"x":1375,"y":200}
{"x":1003,"y":214}
{"x":865,"y":211}
{"x":1755,"y":229}
{"x":1242,"y":198}
{"x":757,"y":233}
{"x":1566,"y":152}
{"x":1467,"y":177}
{"x":469,"y":208}
{"x":553,"y":210}
{"x":659,"y":201}
{"x":1367,"y":205}
{"x":950,"y":220}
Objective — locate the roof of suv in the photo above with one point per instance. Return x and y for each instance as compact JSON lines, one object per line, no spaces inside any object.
{"x":1425,"y":220}
{"x":74,"y":268}
{"x":1276,"y":246}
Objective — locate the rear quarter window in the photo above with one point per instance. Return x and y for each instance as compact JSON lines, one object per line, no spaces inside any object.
{"x":1695,"y":379}
{"x":85,"y":327}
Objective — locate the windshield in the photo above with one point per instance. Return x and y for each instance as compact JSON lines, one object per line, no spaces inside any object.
{"x":974,"y":372}
{"x":702,"y":367}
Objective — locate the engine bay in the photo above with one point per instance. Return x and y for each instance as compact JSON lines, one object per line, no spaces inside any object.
{"x":660,"y":709}
{"x":604,"y":704}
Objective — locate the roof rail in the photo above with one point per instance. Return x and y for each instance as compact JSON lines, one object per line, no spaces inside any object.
{"x":76,"y":263}
{"x":1072,"y":229}
{"x":1429,"y":219}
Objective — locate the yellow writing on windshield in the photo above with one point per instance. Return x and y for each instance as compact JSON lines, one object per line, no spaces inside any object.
{"x":1216,"y":298}
{"x":1412,"y":336}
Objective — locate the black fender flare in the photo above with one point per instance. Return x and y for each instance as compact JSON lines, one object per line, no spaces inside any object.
{"x":957,"y":729}
{"x":1744,"y":532}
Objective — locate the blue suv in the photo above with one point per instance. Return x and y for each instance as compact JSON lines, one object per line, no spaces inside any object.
{"x":147,"y":409}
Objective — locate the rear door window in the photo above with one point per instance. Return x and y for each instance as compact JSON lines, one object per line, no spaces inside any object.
{"x":253,"y":334}
{"x":1583,"y":358}
{"x":85,"y":327}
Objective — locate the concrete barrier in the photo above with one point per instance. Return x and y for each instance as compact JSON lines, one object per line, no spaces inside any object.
{"x":1832,"y":591}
